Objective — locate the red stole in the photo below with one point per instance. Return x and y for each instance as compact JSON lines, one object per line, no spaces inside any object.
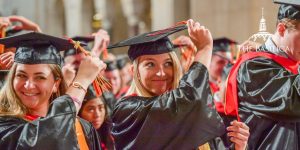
{"x":219,"y":105}
{"x":231,"y":98}
{"x":30,"y":117}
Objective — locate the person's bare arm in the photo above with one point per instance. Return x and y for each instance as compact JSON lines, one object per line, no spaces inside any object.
{"x":100,"y":43}
{"x":25,"y":23}
{"x":202,"y":39}
{"x":88,"y":70}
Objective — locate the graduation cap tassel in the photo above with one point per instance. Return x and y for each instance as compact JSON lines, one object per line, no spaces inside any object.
{"x":168,"y":29}
{"x":2,"y":30}
{"x":100,"y":84}
{"x":97,"y":89}
{"x":105,"y":53}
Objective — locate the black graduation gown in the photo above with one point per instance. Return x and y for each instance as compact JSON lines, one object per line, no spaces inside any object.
{"x":54,"y":132}
{"x":269,"y":103}
{"x":183,"y":118}
{"x":110,"y":101}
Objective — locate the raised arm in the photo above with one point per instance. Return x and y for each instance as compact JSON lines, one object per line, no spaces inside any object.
{"x":203,"y":41}
{"x":88,"y":70}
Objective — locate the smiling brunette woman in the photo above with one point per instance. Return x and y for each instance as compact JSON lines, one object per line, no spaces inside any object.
{"x":164,"y":110}
{"x":36,"y":107}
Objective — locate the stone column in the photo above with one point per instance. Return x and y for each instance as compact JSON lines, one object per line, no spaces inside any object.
{"x":136,"y":12}
{"x":168,"y":12}
{"x":51,"y":22}
{"x":73,"y":17}
{"x":103,"y":11}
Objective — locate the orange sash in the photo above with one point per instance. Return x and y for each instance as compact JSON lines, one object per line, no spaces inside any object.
{"x":80,"y":136}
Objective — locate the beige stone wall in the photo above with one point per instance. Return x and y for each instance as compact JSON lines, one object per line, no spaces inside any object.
{"x":236,"y":19}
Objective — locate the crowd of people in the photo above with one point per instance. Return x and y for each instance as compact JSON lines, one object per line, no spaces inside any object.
{"x":189,"y":93}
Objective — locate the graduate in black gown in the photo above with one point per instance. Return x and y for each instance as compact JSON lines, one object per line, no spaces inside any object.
{"x":94,"y":110}
{"x":37,"y":110}
{"x":161,"y":109}
{"x":263,"y":88}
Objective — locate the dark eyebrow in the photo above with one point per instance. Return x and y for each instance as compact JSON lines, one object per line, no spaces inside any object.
{"x":21,"y":71}
{"x":154,"y":59}
{"x":149,"y":59}
{"x":37,"y":73}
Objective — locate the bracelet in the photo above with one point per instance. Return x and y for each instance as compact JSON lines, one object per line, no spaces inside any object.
{"x":76,"y":100}
{"x":78,"y":85}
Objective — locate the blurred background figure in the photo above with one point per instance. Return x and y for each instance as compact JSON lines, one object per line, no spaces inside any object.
{"x":124,"y":66}
{"x":113,"y":74}
{"x":94,"y":110}
{"x":221,"y":56}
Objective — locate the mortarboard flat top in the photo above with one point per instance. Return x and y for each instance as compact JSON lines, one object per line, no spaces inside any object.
{"x":37,"y":48}
{"x":148,"y":37}
{"x":288,"y":9}
{"x":151,"y":43}
{"x":12,"y":32}
{"x":90,"y":94}
{"x":82,"y":39}
{"x":222,"y":44}
{"x":85,"y":39}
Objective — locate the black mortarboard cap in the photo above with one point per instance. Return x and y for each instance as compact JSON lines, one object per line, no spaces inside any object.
{"x":288,"y":9}
{"x":37,"y":48}
{"x":90,"y":93}
{"x":12,"y":32}
{"x":222,"y":44}
{"x":152,"y":43}
{"x":122,"y":61}
{"x":82,"y":39}
{"x":111,"y":65}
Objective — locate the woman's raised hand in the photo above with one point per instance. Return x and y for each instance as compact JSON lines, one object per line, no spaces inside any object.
{"x":202,"y":39}
{"x":89,"y":69}
{"x":101,"y":42}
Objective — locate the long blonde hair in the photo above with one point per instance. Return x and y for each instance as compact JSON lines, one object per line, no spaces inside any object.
{"x":136,"y":86}
{"x":10,"y":103}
